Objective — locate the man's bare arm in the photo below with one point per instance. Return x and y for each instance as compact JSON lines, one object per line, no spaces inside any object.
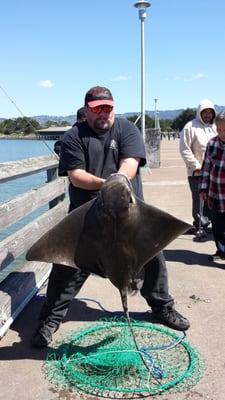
{"x":84,"y":180}
{"x":129,"y":166}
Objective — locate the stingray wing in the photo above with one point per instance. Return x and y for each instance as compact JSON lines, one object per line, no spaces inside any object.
{"x":58,"y":245}
{"x":152,"y":230}
{"x":146,"y":231}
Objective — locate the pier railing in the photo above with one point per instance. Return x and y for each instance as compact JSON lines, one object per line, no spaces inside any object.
{"x":21,"y":285}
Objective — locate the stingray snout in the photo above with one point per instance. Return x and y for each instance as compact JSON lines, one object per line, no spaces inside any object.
{"x":116,"y":194}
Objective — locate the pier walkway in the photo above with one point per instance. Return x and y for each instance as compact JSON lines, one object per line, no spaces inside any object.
{"x":197,"y":285}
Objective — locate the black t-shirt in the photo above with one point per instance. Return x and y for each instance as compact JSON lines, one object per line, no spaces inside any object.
{"x":100,"y":154}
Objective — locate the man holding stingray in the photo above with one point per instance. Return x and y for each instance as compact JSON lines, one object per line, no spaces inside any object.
{"x":91,"y":152}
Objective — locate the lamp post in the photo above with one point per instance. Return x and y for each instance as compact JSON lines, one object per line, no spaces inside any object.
{"x":156,"y":116}
{"x":142,"y":6}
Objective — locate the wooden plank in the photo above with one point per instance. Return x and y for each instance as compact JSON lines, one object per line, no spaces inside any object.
{"x":17,"y":169}
{"x":52,"y":174}
{"x":22,"y":240}
{"x":18,"y":289}
{"x":17,"y":208}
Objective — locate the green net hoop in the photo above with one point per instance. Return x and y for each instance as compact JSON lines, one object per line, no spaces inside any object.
{"x":102,"y":360}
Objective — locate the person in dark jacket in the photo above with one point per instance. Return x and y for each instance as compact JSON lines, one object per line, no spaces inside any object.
{"x":81,"y":117}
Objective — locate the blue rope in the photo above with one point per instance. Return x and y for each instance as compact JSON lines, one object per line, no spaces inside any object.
{"x":165,"y":346}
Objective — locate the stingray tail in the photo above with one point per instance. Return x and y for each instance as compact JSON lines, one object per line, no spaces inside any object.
{"x":123,"y":294}
{"x":136,"y":282}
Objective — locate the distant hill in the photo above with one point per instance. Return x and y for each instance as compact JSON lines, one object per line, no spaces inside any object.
{"x":169,"y":114}
{"x":42,"y":119}
{"x":163,"y":114}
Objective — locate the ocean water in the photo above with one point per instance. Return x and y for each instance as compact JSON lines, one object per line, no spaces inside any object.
{"x":13,"y":150}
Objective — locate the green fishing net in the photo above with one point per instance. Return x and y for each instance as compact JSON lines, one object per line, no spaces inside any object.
{"x":102,"y":360}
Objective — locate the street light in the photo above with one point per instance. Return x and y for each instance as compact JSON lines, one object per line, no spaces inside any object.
{"x":157,"y":124}
{"x":142,"y":6}
{"x":156,"y":116}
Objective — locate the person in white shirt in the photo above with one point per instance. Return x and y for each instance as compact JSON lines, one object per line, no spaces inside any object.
{"x":193,"y":141}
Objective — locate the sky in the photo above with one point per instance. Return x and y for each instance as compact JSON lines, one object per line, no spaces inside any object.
{"x":53,"y":51}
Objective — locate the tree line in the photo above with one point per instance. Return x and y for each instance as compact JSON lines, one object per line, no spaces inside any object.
{"x":27,"y":125}
{"x":168,"y":125}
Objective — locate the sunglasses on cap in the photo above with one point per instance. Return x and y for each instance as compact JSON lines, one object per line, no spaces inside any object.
{"x":98,"y":109}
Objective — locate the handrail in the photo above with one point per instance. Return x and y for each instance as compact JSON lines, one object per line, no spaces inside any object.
{"x":21,"y":285}
{"x":18,"y":169}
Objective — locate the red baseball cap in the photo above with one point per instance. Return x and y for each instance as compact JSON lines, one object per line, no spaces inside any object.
{"x":98,"y":96}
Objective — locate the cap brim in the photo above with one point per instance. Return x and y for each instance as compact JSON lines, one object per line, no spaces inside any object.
{"x":101,"y":102}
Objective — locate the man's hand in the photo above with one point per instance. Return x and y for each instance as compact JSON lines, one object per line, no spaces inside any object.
{"x":197,"y":172}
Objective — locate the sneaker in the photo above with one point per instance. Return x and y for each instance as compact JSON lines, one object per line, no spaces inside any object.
{"x":207,"y":229}
{"x":172,"y":318}
{"x":42,"y":336}
{"x":217,"y":256}
{"x":200,"y":236}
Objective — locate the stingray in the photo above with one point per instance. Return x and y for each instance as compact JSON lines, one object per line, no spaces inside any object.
{"x":114,"y":236}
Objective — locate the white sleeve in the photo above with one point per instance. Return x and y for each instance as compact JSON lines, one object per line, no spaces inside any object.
{"x":186,"y":140}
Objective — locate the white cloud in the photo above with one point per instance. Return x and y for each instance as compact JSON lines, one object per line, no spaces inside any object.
{"x":195,"y":77}
{"x":122,"y":78}
{"x":46,"y":84}
{"x":199,"y":76}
